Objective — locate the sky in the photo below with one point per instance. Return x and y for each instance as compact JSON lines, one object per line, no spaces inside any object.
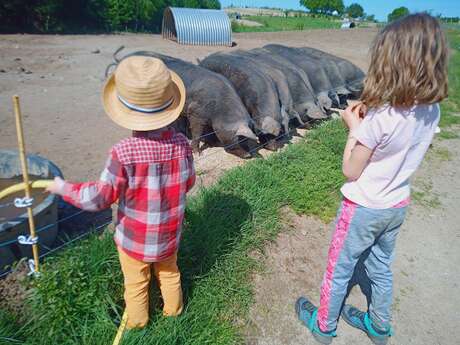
{"x":381,"y":8}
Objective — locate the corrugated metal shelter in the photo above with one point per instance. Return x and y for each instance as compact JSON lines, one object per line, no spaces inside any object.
{"x":197,"y":26}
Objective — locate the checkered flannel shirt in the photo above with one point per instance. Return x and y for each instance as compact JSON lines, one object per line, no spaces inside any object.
{"x":150,"y":175}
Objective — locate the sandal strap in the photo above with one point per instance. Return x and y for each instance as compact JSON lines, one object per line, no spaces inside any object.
{"x":313,"y":326}
{"x":372,"y":331}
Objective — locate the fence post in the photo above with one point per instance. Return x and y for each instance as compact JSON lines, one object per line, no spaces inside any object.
{"x":25,"y":175}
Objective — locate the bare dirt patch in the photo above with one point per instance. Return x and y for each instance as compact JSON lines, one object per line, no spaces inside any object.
{"x":426,"y":269}
{"x":59,"y":80}
{"x":14,"y":290}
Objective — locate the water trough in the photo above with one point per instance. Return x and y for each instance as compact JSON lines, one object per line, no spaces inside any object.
{"x":13,"y":221}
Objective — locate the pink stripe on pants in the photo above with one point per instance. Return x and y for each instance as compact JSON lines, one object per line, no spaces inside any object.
{"x":338,"y":239}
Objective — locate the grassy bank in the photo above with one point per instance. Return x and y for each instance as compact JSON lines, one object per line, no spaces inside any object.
{"x":451,"y":107}
{"x":286,"y":24}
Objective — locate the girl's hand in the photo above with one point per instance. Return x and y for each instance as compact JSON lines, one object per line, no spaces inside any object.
{"x":354,"y":114}
{"x":57,"y":186}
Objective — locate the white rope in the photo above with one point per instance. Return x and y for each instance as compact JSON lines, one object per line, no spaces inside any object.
{"x":23,"y":202}
{"x":32,"y":270}
{"x":29,"y":240}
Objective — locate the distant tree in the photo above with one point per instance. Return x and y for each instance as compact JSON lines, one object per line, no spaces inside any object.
{"x":398,"y":13}
{"x":72,"y":16}
{"x":312,"y":5}
{"x":355,"y":11}
{"x":324,"y":6}
{"x":213,"y":4}
{"x":335,"y":5}
{"x":370,"y":17}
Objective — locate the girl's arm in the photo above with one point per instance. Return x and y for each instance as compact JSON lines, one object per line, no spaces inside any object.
{"x":355,"y":155}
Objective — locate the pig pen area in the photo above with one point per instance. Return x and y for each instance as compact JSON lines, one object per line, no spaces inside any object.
{"x":59,"y":79}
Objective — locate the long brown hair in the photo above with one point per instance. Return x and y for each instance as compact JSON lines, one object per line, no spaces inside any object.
{"x":408,"y":64}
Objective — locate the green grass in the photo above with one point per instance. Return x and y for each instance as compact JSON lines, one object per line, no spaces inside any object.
{"x":446,"y":134}
{"x":286,"y":24}
{"x":78,"y":299}
{"x":423,"y":194}
{"x":451,"y":106}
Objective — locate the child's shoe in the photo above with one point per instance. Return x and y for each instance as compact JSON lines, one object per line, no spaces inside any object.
{"x":307,"y":313}
{"x":358,"y":319}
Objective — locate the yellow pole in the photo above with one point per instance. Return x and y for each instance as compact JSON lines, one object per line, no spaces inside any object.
{"x":25,"y":174}
{"x":121,"y":328}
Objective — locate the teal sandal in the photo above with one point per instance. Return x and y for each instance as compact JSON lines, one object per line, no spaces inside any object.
{"x":361,"y":320}
{"x":308,"y":313}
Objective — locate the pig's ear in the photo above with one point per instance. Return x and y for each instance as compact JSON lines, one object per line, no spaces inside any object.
{"x":324,"y":101}
{"x":191,"y":108}
{"x":244,"y":131}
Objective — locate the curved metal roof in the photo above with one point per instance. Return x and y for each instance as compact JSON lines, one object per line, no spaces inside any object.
{"x":197,"y":26}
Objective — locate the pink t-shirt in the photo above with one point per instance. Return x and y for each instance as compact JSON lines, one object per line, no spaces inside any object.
{"x":399,"y":138}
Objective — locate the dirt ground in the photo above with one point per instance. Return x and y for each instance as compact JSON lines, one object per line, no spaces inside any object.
{"x":59,"y":79}
{"x":426,"y":269}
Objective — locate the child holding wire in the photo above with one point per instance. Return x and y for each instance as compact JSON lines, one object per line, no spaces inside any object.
{"x":149,"y":174}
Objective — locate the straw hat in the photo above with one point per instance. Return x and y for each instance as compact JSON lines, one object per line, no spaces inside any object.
{"x":143,"y":94}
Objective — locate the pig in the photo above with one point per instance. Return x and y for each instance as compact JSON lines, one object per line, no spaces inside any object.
{"x":316,"y":73}
{"x":281,"y":83}
{"x":305,"y":101}
{"x":351,"y":74}
{"x":257,"y":91}
{"x":213,"y":109}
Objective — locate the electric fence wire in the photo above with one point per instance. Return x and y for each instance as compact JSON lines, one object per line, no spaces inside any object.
{"x":110,"y":219}
{"x":49,"y":226}
{"x":45,"y":227}
{"x":65,"y":244}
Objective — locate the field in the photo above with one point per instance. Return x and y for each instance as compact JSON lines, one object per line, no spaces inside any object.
{"x":225,"y":258}
{"x":286,"y":24}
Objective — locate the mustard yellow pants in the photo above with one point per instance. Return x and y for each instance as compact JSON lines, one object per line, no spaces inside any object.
{"x":137,"y":275}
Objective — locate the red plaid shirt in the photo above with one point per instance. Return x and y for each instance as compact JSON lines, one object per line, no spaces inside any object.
{"x":150,"y":174}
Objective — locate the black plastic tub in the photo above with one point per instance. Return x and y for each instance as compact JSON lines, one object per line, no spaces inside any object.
{"x":45,"y":212}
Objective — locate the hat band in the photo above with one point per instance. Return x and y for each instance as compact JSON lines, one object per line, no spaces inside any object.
{"x":145,"y":110}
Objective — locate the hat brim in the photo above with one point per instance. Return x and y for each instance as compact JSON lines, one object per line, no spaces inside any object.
{"x":138,"y":121}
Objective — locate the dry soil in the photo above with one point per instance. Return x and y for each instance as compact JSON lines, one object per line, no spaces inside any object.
{"x":59,"y":79}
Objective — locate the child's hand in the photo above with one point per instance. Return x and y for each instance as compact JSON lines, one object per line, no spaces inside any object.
{"x":354,"y":114}
{"x":56,"y":187}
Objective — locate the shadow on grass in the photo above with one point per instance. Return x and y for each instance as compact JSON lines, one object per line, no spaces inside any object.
{"x":213,"y":225}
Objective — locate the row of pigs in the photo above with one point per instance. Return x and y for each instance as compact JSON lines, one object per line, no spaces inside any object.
{"x":242,"y":99}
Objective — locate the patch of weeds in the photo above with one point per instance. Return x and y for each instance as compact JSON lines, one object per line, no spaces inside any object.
{"x":447,"y":117}
{"x":451,"y":107}
{"x":270,"y":24}
{"x":447,"y":135}
{"x":78,"y":295}
{"x":422,"y":194}
{"x":10,"y":331}
{"x":442,"y":153}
